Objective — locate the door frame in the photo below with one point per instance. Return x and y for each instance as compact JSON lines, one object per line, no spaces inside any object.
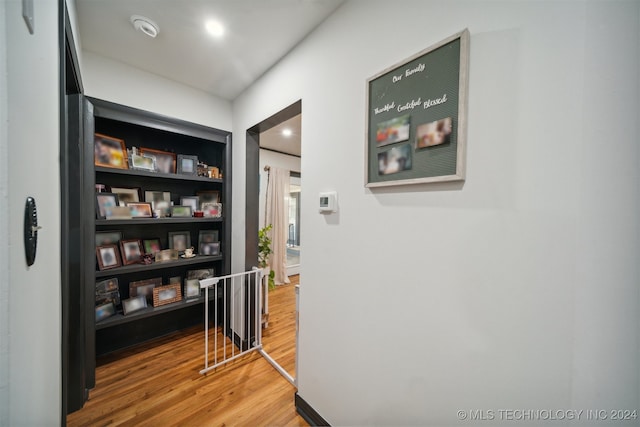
{"x":252,"y":189}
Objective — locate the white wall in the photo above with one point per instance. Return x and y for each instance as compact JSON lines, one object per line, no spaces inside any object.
{"x":117,"y":82}
{"x":4,"y":229}
{"x":276,"y":160}
{"x":518,"y":290}
{"x":32,"y":137}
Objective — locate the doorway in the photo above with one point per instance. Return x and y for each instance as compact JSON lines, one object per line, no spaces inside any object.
{"x":275,"y":143}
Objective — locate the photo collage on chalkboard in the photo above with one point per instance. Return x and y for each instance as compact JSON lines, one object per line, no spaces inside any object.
{"x":413,"y":117}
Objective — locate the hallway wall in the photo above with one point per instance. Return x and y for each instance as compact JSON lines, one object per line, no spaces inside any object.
{"x":518,"y":289}
{"x":114,"y":81}
{"x":30,"y":295}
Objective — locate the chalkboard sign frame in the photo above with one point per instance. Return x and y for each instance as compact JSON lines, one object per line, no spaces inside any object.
{"x":435,"y":160}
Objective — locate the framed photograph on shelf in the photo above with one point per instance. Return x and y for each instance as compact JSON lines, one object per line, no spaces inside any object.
{"x":165,"y":161}
{"x":210,"y":249}
{"x":166,"y":255}
{"x":134,"y":304}
{"x":144,"y":287}
{"x":110,"y":152}
{"x":207,"y":236}
{"x":151,"y":246}
{"x":108,"y":291}
{"x":126,"y":195}
{"x":187,"y":165}
{"x":191,"y":288}
{"x":131,"y":251}
{"x":104,"y":311}
{"x":416,"y":119}
{"x":108,"y":238}
{"x":212,"y":210}
{"x":144,"y":163}
{"x":167,"y":294}
{"x":192,"y":201}
{"x":181,"y":212}
{"x":140,"y":210}
{"x":119,"y":212}
{"x":208,"y":197}
{"x":160,"y":201}
{"x":105,"y":203}
{"x":201,"y":274}
{"x":179,"y":240}
{"x":108,"y":257}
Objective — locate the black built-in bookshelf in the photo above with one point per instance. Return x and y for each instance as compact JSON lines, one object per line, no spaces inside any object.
{"x":143,"y":129}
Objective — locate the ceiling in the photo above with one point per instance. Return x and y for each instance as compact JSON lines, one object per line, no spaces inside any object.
{"x":258,"y":34}
{"x":273,"y":139}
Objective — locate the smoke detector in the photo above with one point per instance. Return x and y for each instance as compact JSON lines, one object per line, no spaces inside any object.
{"x":146,"y":25}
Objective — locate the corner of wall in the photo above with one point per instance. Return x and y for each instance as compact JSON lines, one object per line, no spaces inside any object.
{"x":4,"y":233}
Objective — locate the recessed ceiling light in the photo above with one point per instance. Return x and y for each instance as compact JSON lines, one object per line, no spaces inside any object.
{"x":146,"y":25}
{"x":286,"y":132}
{"x":214,"y":28}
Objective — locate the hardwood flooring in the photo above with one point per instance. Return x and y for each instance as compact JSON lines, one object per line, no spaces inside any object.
{"x":158,"y":383}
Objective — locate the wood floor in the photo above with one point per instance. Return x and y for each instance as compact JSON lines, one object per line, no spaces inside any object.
{"x":158,"y":383}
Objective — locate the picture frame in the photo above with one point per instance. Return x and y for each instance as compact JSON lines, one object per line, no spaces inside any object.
{"x":108,"y":290}
{"x":167,"y":294}
{"x":105,"y":203}
{"x":140,"y":210}
{"x":187,"y":165}
{"x":165,"y":161}
{"x":144,"y":287}
{"x":119,"y":212}
{"x":192,"y":201}
{"x":110,"y":152}
{"x":104,"y":311}
{"x":212,"y":210}
{"x":166,"y":255}
{"x":209,"y":249}
{"x":181,"y":212}
{"x":134,"y":304}
{"x":126,"y":195}
{"x":175,"y":279}
{"x":108,"y":238}
{"x":416,"y":127}
{"x":131,"y":251}
{"x":145,"y":163}
{"x":179,"y":240}
{"x":200,"y":274}
{"x":192,"y":288}
{"x":207,"y":236}
{"x":160,"y":201}
{"x":208,"y":197}
{"x":151,"y":246}
{"x":108,"y":257}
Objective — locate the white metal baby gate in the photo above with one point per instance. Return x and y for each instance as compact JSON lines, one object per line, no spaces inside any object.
{"x":237,"y":304}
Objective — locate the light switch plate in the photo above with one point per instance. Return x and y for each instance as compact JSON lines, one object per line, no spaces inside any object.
{"x":27,"y":14}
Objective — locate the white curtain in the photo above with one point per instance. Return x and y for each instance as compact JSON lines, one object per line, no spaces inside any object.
{"x":278,"y":215}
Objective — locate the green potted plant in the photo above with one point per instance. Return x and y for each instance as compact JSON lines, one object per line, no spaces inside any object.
{"x":264,"y":250}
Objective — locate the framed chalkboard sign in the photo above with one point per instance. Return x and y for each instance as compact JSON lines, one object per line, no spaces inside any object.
{"x":417,"y":117}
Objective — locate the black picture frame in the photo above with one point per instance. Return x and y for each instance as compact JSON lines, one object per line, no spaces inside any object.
{"x":209,"y":249}
{"x":192,"y":288}
{"x":104,"y":202}
{"x":134,"y":304}
{"x":191,"y":201}
{"x":187,"y":165}
{"x":108,"y":238}
{"x":104,"y":311}
{"x":179,"y":240}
